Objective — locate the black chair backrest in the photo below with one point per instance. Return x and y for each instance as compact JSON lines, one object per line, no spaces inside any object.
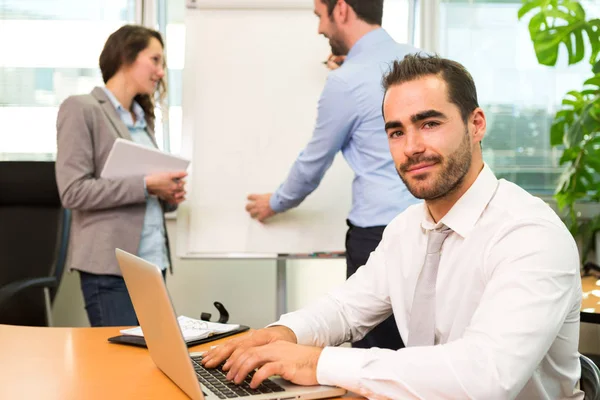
{"x":33,"y":235}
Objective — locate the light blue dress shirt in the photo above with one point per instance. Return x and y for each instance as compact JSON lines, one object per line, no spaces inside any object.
{"x":349,"y":119}
{"x":153,"y":245}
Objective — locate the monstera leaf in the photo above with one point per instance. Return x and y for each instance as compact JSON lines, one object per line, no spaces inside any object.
{"x":576,"y":126}
{"x":560,"y":22}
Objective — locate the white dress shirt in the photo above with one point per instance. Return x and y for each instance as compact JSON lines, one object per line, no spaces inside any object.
{"x":508,"y":298}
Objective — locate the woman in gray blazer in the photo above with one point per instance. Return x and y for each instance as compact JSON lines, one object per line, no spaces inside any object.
{"x":108,"y":213}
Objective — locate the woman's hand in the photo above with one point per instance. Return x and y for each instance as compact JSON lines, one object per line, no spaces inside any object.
{"x":168,"y":186}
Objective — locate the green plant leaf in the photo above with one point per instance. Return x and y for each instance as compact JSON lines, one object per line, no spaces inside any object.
{"x":556,"y":13}
{"x":593,"y":162}
{"x":535,"y":24}
{"x":584,"y":180}
{"x":557,"y":132}
{"x":579,"y":53}
{"x":556,"y":22}
{"x":595,"y":113}
{"x":595,"y":80}
{"x":565,"y":179}
{"x":589,"y":92}
{"x":592,"y":34}
{"x":563,"y":200}
{"x":589,"y":124}
{"x":529,"y":5}
{"x":575,"y":7}
{"x":576,"y":94}
{"x":562,"y":119}
{"x":546,"y":47}
{"x":576,"y":126}
{"x":577,"y":130}
{"x":546,"y":42}
{"x":569,"y":102}
{"x":564,"y":114}
{"x":569,"y":154}
{"x":592,"y":143}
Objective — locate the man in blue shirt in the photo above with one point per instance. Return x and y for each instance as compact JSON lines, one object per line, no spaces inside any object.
{"x":349,"y":120}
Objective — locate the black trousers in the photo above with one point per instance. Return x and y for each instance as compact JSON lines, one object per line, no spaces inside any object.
{"x":360,"y":242}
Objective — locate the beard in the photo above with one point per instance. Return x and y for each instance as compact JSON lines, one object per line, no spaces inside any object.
{"x":454,"y":169}
{"x":338,"y":47}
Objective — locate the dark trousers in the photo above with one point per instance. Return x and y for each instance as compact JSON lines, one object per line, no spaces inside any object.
{"x":360,"y":242}
{"x":107,"y":301}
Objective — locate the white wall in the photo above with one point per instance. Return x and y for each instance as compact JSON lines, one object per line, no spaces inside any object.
{"x":245,"y":287}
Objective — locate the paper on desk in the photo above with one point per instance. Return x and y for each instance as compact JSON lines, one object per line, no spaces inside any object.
{"x":192,"y":329}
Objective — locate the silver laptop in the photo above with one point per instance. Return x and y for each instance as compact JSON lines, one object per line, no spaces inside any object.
{"x":170,"y":354}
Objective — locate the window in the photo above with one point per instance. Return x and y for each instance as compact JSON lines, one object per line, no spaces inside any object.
{"x":174,"y":35}
{"x":49,"y":50}
{"x":519,"y":96}
{"x":56,"y":55}
{"x":397,"y":19}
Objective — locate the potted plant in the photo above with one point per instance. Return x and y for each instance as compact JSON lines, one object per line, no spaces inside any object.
{"x":576,"y":126}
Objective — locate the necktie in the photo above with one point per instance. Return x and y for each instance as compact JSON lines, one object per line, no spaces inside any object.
{"x":421,"y":327}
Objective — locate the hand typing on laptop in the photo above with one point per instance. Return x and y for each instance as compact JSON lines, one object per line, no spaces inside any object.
{"x":263,"y":348}
{"x":273,"y":351}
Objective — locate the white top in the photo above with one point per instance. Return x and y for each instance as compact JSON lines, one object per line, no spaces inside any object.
{"x":508,"y":299}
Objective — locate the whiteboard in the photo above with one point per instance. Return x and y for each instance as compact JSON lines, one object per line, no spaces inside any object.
{"x":251,"y":82}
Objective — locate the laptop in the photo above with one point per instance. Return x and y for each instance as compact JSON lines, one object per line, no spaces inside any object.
{"x":169,"y":352}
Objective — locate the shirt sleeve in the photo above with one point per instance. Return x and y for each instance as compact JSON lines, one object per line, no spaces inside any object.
{"x":531,"y":291}
{"x":347,"y":313}
{"x":75,"y":166}
{"x":336,"y":119}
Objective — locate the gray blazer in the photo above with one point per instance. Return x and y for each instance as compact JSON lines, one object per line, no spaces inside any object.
{"x":106,"y":213}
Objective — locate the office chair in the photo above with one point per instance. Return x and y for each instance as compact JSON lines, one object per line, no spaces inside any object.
{"x":34,"y":235}
{"x":590,"y":378}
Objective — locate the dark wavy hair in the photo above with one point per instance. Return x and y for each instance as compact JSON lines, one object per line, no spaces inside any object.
{"x":122,"y":48}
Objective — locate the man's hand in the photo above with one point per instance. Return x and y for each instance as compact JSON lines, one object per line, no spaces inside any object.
{"x":258,"y":206}
{"x":168,"y":186}
{"x":236,"y":346}
{"x":273,"y":350}
{"x":292,"y":362}
{"x":334,"y":62}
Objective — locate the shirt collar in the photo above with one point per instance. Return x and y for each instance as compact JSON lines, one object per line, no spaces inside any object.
{"x":137,"y":109}
{"x":465,"y":213}
{"x":368,"y":40}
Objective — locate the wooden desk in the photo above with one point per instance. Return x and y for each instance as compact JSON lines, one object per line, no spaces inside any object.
{"x":590,"y":304}
{"x":78,"y":363}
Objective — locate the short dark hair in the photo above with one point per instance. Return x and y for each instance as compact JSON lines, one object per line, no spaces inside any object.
{"x":370,"y":11}
{"x":460,"y":84}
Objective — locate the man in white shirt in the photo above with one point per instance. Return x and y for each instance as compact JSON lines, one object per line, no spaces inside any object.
{"x":503,"y":320}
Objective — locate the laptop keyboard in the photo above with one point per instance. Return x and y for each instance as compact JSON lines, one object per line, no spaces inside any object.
{"x":214,"y":380}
